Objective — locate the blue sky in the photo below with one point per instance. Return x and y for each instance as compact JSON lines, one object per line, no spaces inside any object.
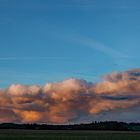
{"x":51,"y":40}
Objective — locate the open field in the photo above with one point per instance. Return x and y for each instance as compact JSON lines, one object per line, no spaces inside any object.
{"x":67,"y":135}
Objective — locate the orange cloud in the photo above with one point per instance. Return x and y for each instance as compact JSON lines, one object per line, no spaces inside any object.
{"x":65,"y":101}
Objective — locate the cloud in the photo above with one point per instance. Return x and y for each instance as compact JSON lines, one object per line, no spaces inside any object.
{"x":118,"y":57}
{"x":95,"y":5}
{"x":102,"y":48}
{"x":32,"y":58}
{"x":69,"y":100}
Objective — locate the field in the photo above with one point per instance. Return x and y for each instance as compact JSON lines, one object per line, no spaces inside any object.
{"x":67,"y":135}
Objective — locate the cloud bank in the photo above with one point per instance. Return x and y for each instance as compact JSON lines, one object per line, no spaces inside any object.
{"x":66,"y":101}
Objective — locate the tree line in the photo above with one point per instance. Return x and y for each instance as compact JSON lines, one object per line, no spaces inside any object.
{"x":107,"y":125}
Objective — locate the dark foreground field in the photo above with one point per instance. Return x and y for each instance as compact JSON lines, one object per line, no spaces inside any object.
{"x":67,"y":135}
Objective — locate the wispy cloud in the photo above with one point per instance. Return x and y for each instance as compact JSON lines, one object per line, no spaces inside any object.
{"x":32,"y":58}
{"x":118,"y":56}
{"x":91,"y":43}
{"x":95,"y":5}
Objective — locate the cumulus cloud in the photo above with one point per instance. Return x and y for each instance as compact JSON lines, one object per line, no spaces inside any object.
{"x":62,"y":102}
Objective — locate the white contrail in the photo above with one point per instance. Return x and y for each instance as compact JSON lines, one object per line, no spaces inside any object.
{"x":102,"y":48}
{"x":32,"y":58}
{"x":92,"y":44}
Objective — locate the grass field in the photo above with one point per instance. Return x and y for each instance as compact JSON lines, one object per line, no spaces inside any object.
{"x":67,"y":135}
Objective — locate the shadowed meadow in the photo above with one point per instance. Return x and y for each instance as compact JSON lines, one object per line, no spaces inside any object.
{"x":67,"y":135}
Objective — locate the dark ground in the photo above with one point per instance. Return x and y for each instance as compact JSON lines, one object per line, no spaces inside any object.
{"x":10,"y":134}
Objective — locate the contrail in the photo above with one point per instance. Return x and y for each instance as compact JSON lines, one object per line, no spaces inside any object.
{"x":118,"y":57}
{"x":103,"y":48}
{"x":32,"y":58}
{"x":92,"y":44}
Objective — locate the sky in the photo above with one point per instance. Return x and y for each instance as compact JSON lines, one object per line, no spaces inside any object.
{"x":43,"y":41}
{"x":46,"y":41}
